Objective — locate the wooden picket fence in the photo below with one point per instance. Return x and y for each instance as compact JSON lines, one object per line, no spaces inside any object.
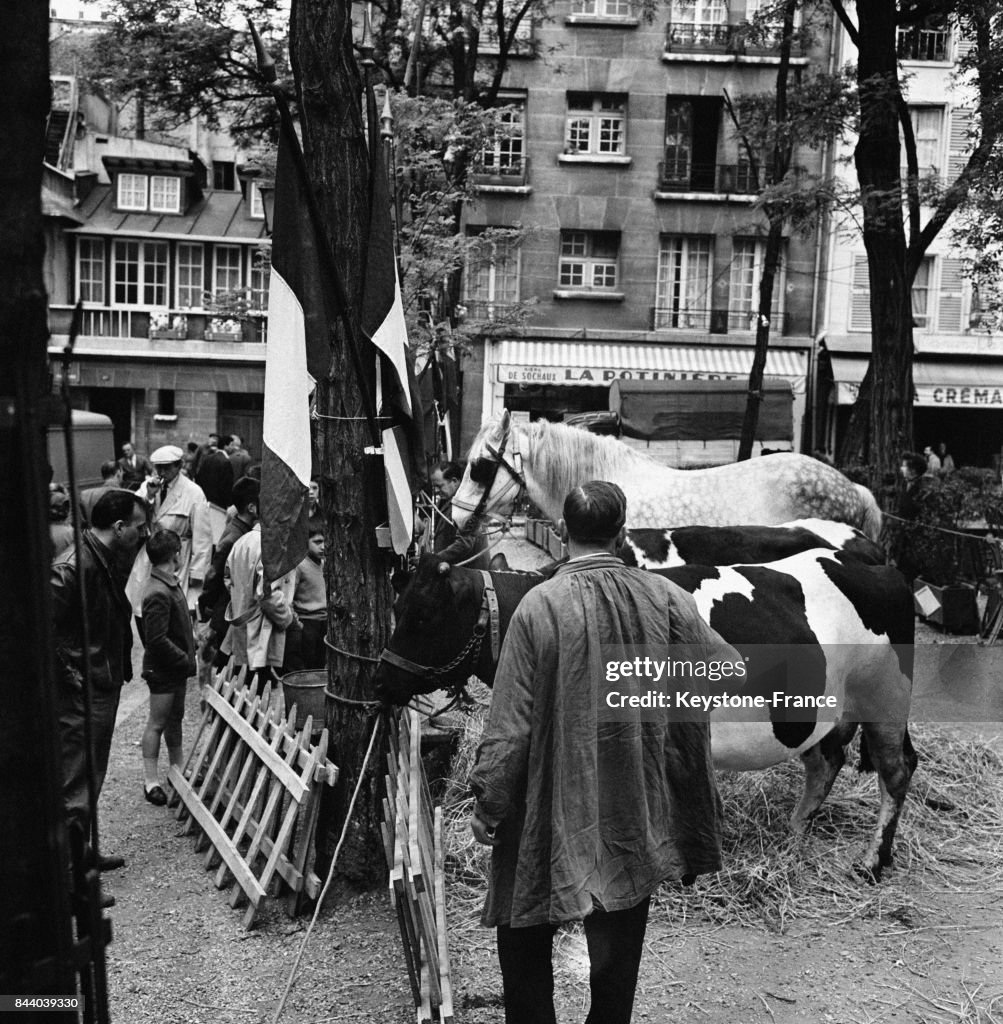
{"x":413,"y":840}
{"x":250,"y":791}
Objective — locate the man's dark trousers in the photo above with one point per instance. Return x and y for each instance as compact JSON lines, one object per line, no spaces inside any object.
{"x":615,"y":941}
{"x":104,"y":707}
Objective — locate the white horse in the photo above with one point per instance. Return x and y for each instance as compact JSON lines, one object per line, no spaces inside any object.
{"x":549,"y":460}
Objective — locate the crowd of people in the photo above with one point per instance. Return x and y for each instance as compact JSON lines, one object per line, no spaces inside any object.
{"x":171,"y":543}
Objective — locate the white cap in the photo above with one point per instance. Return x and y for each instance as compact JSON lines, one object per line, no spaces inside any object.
{"x":168,"y":454}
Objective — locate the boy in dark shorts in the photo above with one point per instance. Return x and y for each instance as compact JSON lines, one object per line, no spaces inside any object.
{"x":169,"y":658}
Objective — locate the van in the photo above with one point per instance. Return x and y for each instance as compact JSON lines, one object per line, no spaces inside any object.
{"x":93,"y":443}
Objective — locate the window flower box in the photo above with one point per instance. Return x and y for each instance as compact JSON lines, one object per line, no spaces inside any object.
{"x":223,"y":336}
{"x":220,"y":329}
{"x":168,"y":333}
{"x":165,"y":327}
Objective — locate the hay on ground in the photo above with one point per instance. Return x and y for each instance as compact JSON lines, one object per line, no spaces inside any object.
{"x":949,"y":838}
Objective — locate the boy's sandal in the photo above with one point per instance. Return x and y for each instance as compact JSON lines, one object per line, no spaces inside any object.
{"x":155,"y":795}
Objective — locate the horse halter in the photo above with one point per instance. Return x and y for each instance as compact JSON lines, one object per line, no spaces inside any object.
{"x":487,"y":619}
{"x":514,"y":470}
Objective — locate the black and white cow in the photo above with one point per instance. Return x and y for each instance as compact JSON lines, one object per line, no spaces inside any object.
{"x":854,"y":625}
{"x":728,"y":545}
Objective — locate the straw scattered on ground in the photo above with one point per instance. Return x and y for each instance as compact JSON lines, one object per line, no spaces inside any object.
{"x":950,"y":839}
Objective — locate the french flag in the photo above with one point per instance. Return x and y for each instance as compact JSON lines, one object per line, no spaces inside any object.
{"x":298,"y":354}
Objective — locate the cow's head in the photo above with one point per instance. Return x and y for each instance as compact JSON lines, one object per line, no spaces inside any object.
{"x":435,"y":619}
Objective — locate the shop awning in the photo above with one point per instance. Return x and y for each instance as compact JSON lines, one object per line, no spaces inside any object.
{"x":958,"y":384}
{"x":700,"y":410}
{"x":597,"y":365}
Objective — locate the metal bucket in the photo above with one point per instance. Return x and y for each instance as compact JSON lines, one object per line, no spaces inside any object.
{"x":306,"y":690}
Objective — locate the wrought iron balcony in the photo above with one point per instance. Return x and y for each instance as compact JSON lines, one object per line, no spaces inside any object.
{"x":713,"y":321}
{"x":740,"y":39}
{"x":723,"y":179}
{"x":922,"y":43}
{"x":513,"y":174}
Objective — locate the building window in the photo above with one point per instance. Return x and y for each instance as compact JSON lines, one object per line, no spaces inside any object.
{"x":491,"y":277}
{"x":748,"y":257}
{"x":928,"y":128}
{"x":90,"y":269}
{"x":256,"y":202}
{"x":683,"y":289}
{"x":165,"y":193}
{"x":602,"y":8}
{"x":521,"y":42}
{"x":921,"y":317}
{"x":595,"y":124}
{"x":132,"y":191}
{"x":926,"y":42}
{"x":502,"y":155}
{"x":191,"y":275}
{"x":165,"y":402}
{"x":140,"y":274}
{"x":261,"y":267}
{"x":589,"y":260}
{"x":227,"y":275}
{"x":701,"y":23}
{"x":691,"y":136}
{"x":922,"y":311}
{"x":224,"y":178}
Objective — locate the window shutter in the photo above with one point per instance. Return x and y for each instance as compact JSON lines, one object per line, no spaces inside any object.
{"x":963,"y":44}
{"x":860,"y":300}
{"x":959,"y":143}
{"x":950,"y":306}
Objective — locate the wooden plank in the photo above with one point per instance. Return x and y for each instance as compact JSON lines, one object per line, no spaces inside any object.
{"x":231,"y":856}
{"x":277,"y":766}
{"x":445,"y":976}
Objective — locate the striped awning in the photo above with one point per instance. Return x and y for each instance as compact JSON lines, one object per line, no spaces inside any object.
{"x":958,"y":384}
{"x":597,"y":364}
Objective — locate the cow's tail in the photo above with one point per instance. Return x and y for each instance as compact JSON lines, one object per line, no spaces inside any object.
{"x":870,"y":521}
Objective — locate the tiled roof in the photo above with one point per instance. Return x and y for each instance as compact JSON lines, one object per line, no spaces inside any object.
{"x":217,"y":215}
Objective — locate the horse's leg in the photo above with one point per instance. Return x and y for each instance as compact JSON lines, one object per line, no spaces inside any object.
{"x":822,"y":763}
{"x":891,"y":751}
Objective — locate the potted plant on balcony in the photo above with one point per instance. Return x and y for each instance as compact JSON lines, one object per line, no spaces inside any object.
{"x":164,"y":326}
{"x":948,"y":568}
{"x":229,"y":311}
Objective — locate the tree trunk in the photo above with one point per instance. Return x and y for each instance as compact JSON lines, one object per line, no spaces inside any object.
{"x":35,"y":925}
{"x":880,"y":427}
{"x":329,"y":88}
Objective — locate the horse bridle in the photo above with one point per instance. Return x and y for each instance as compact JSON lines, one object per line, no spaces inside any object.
{"x":488,"y":621}
{"x":513,"y":468}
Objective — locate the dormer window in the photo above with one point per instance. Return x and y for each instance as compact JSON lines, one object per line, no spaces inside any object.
{"x":256,"y":203}
{"x":158,"y":193}
{"x":132,"y":191}
{"x":165,"y":193}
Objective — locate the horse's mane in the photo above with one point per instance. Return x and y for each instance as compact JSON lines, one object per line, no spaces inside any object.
{"x":565,"y":456}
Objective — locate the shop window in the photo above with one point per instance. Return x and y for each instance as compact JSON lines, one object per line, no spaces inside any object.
{"x":683,"y":288}
{"x":91,"y":270}
{"x":596,"y":124}
{"x":589,"y":260}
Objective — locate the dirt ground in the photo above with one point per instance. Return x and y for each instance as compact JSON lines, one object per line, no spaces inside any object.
{"x":922,"y":946}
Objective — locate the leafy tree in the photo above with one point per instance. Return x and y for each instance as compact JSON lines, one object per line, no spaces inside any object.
{"x":894,"y":232}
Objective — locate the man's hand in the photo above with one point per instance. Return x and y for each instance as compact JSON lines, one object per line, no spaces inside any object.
{"x":484,"y":832}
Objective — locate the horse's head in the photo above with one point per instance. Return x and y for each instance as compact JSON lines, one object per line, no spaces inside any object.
{"x":493,"y":479}
{"x":435,"y":619}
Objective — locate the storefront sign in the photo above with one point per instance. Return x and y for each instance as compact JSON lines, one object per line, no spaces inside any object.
{"x":941,"y":396}
{"x":598,"y":376}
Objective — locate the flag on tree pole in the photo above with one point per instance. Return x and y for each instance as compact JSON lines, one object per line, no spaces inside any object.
{"x":298,"y":353}
{"x":383,"y":324}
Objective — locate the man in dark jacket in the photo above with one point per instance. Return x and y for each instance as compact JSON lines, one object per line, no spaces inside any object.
{"x":119,"y":525}
{"x":214,"y":474}
{"x":455,"y":546}
{"x":135,"y":467}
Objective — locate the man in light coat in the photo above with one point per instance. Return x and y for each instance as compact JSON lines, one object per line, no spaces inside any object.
{"x":259,"y":613}
{"x":179,"y":505}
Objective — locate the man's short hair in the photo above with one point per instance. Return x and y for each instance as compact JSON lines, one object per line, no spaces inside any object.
{"x":450,"y":470}
{"x":595,"y":512}
{"x":916,"y":462}
{"x":162,"y":546}
{"x":245,"y":491}
{"x":108,"y":469}
{"x":115,"y":504}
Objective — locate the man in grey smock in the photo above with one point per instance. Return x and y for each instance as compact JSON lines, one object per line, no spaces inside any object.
{"x":588,"y":816}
